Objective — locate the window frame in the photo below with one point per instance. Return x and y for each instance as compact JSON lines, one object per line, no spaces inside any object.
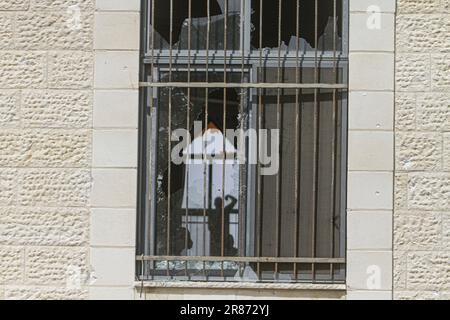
{"x":234,"y":59}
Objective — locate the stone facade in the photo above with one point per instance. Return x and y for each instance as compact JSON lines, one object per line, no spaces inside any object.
{"x":422,"y":183}
{"x":46,"y":103}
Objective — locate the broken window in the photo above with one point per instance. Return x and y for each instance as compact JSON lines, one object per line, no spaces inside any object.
{"x":205,"y":15}
{"x":290,"y":24}
{"x":265,"y":206}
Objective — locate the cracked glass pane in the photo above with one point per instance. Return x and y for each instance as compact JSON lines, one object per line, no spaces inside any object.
{"x":195,"y":212}
{"x":199,"y":26}
{"x":326,"y":24}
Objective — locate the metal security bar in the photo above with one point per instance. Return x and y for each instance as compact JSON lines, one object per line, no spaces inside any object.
{"x":278,"y":68}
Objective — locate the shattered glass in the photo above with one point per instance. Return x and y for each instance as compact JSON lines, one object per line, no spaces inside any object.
{"x":326,"y":24}
{"x":197,"y":228}
{"x":199,"y":25}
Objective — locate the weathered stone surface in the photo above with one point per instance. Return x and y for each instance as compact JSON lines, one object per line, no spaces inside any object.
{"x":433,"y":111}
{"x":6,"y":31}
{"x":45,"y":148}
{"x":44,"y":293}
{"x":53,"y":265}
{"x":416,"y":6}
{"x":429,"y":191}
{"x":446,"y":158}
{"x":401,"y":190}
{"x":14,"y":4}
{"x":413,"y":72}
{"x":405,"y":111}
{"x":8,"y":186}
{"x":62,"y":5}
{"x":52,"y":31}
{"x":11,"y":264}
{"x":71,"y":69}
{"x":9,"y":108}
{"x":418,"y":231}
{"x":46,"y":102}
{"x":44,"y":226}
{"x":440,"y":75}
{"x":57,"y":109}
{"x":419,"y":295}
{"x":12,"y":149}
{"x":54,"y":187}
{"x":446,"y":230}
{"x":423,"y":33}
{"x":422,"y":144}
{"x":418,"y":151}
{"x":399,"y":269}
{"x":428,"y":270}
{"x":22,"y":69}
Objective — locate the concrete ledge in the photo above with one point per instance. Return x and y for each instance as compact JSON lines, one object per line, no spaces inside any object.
{"x":239,"y":285}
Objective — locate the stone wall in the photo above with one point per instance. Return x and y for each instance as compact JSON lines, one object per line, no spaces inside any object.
{"x":46,"y":102}
{"x":422,"y":206}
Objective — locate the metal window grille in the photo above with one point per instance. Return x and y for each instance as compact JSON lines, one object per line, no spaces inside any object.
{"x":240,"y":64}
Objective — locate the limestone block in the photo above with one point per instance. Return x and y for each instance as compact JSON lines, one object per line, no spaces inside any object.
{"x":413,"y":72}
{"x":53,"y":265}
{"x":56,"y":109}
{"x":9,"y":108}
{"x":53,"y":31}
{"x":401,"y":190}
{"x":54,"y":187}
{"x":11,"y":264}
{"x":446,"y":158}
{"x":62,"y":5}
{"x":417,"y":295}
{"x":414,"y":6}
{"x":428,"y":270}
{"x":422,"y":33}
{"x":8,"y":185}
{"x":429,"y":191}
{"x":433,"y":111}
{"x":72,"y":70}
{"x":44,"y":226}
{"x":417,"y":231}
{"x":418,"y":151}
{"x":399,"y":269}
{"x":44,"y":293}
{"x":440,"y":75}
{"x":22,"y":69}
{"x":405,"y":111}
{"x":6,"y":31}
{"x":14,"y":5}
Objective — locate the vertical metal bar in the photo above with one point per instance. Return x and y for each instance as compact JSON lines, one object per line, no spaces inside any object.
{"x":316,"y":140}
{"x":298,"y":139}
{"x":279,"y":119}
{"x":169,"y":134}
{"x":333,"y":143}
{"x":224,"y":126}
{"x":186,"y":236}
{"x":260,"y":111}
{"x":152,"y":204}
{"x":205,"y":192}
{"x":241,"y":215}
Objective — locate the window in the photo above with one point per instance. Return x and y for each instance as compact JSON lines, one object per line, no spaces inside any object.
{"x":243,"y":141}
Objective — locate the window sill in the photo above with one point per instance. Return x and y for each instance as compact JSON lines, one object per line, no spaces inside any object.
{"x":240,"y":285}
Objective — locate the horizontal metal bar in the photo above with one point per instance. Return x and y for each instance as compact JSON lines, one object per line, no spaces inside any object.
{"x":242,"y":85}
{"x":241,"y":259}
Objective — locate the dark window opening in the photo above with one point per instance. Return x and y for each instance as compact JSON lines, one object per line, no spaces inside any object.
{"x":327,"y":23}
{"x":211,"y":217}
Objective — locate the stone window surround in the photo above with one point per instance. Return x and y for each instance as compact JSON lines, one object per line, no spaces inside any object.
{"x":370,"y":152}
